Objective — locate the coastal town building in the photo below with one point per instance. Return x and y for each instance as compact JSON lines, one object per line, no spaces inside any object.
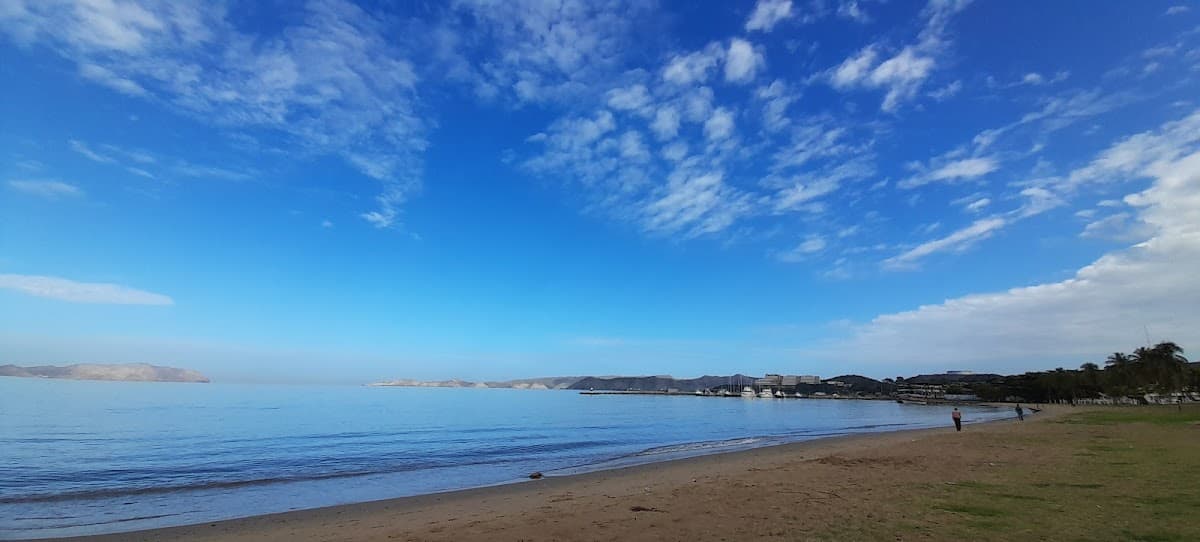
{"x":770,"y":380}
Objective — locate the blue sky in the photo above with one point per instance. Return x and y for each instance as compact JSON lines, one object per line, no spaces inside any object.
{"x":330,"y":191}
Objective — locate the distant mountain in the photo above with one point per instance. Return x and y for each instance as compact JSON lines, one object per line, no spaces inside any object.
{"x":661,"y":382}
{"x":546,"y":383}
{"x":864,"y":384}
{"x":951,"y":378}
{"x":409,"y":383}
{"x":551,"y":383}
{"x":125,"y":372}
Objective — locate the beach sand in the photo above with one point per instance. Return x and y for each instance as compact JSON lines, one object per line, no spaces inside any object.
{"x":857,"y":487}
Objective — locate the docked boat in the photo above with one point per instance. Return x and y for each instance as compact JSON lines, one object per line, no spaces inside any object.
{"x":747,"y":392}
{"x":779,"y":394}
{"x":766,"y":394}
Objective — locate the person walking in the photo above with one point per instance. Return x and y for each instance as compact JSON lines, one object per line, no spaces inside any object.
{"x":957,"y":419}
{"x":1020,"y":413}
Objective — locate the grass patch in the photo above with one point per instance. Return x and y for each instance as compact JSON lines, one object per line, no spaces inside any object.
{"x":1068,"y":485}
{"x":1146,"y":461}
{"x":972,"y":484}
{"x":1015,"y":496}
{"x":1159,"y":415}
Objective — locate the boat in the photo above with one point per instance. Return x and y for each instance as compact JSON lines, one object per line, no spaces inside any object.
{"x":779,"y":394}
{"x":747,"y":391}
{"x":766,"y":394}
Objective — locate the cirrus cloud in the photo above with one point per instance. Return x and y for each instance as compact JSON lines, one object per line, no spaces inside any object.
{"x":81,"y":292}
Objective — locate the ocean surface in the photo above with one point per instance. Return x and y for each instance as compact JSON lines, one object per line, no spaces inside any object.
{"x":99,"y":457}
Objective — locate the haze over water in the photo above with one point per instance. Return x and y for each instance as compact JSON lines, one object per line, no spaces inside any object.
{"x":92,"y":457}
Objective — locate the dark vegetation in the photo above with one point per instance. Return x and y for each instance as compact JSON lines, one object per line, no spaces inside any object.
{"x":1160,"y":369}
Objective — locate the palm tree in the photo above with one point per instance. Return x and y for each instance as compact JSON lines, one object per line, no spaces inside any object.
{"x":1120,"y":369}
{"x":1091,"y":380}
{"x":1117,"y":361}
{"x":1171,"y":367}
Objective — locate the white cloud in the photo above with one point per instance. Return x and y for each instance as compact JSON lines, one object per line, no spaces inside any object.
{"x":666,"y":123}
{"x":632,"y":98}
{"x":140,"y":172}
{"x":812,"y":244}
{"x":326,"y":224}
{"x":855,"y":69}
{"x":947,"y":92}
{"x":1138,"y":153}
{"x":379,"y":219}
{"x":799,"y":192}
{"x":720,"y":125}
{"x":742,"y":62}
{"x":111,"y":80}
{"x":978,"y":205}
{"x":331,"y":79}
{"x":1037,"y":200}
{"x":46,"y":189}
{"x":697,"y":104}
{"x":212,"y":172}
{"x":695,"y":205}
{"x":1064,"y":110}
{"x":776,"y":98}
{"x":81,"y":292}
{"x":812,"y":142}
{"x":768,"y":13}
{"x":1118,"y":227}
{"x":694,"y":67}
{"x":632,"y":148}
{"x":539,"y":51}
{"x":850,"y":9}
{"x":902,"y":75}
{"x":965,"y":169}
{"x":1035,"y":79}
{"x":1177,"y":10}
{"x":955,"y":170}
{"x":1104,"y":307}
{"x":675,"y":151}
{"x":959,"y":240}
{"x":82,"y":148}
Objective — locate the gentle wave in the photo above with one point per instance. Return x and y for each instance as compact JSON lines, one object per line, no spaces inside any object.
{"x":483,"y":455}
{"x":704,"y":446}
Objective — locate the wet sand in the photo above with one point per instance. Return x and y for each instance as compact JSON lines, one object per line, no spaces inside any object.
{"x":793,"y":491}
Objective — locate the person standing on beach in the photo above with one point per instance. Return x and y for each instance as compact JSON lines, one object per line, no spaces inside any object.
{"x":1020,"y":413}
{"x":957,"y":419}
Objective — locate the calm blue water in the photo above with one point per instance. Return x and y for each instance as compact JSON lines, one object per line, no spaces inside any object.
{"x":95,"y":457}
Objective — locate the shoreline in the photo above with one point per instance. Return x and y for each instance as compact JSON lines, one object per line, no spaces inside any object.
{"x":505,"y":500}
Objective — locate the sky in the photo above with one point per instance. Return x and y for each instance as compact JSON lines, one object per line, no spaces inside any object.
{"x":330,"y":191}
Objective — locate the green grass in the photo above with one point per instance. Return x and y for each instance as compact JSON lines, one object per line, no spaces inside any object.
{"x":1160,"y":415}
{"x":1119,"y":474}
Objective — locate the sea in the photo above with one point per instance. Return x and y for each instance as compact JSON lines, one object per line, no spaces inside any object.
{"x":81,"y":458}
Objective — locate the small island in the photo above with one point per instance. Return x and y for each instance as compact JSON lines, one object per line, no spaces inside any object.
{"x":121,"y":372}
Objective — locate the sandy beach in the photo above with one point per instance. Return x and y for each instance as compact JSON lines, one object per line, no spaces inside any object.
{"x":847,"y":487}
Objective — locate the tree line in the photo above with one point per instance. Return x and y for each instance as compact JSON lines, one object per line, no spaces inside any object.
{"x":1161,"y":368}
